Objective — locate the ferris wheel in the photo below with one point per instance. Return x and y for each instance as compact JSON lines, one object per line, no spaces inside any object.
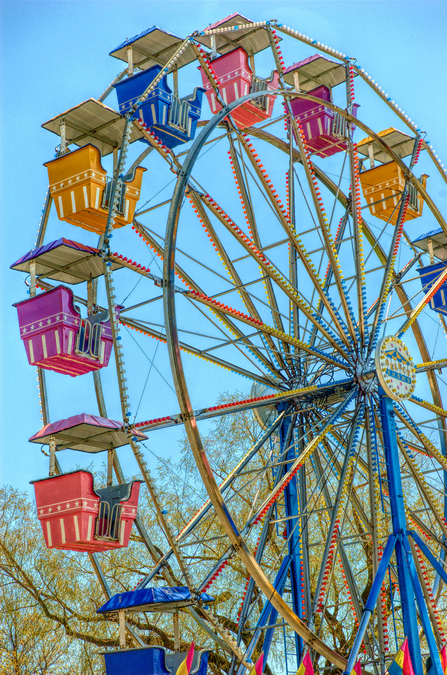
{"x":291,"y":259}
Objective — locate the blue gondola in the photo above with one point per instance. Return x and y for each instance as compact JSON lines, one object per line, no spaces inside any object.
{"x":172,"y":119}
{"x":151,"y":660}
{"x":435,"y":243}
{"x":429,"y":275}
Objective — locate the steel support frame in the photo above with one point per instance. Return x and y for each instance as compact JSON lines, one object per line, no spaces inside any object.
{"x":437,"y":586}
{"x":411,"y":593}
{"x":409,"y":584}
{"x":399,"y":526}
{"x":269,"y":613}
{"x":350,"y":577}
{"x":285,"y":435}
{"x":371,"y":602}
{"x":332,"y":525}
{"x":294,"y":541}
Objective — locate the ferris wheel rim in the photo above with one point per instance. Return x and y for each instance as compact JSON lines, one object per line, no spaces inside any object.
{"x":185,"y":405}
{"x":180,"y":382}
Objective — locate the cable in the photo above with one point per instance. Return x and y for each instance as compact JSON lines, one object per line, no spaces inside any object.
{"x":139,"y":347}
{"x":147,"y":378}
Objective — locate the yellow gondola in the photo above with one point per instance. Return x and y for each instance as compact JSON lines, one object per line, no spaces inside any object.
{"x":383,"y":185}
{"x":80,"y":190}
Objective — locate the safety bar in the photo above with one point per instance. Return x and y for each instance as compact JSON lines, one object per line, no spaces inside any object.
{"x":339,"y":126}
{"x":120,"y":188}
{"x":179,"y":115}
{"x":108,"y":521}
{"x":258,"y":84}
{"x":414,"y":194}
{"x":88,"y":339}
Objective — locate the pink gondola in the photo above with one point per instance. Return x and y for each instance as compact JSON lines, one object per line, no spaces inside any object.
{"x":57,"y":338}
{"x":76,"y":517}
{"x":236,"y":79}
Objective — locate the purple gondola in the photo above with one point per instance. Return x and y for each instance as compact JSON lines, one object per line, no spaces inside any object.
{"x":325,"y":130}
{"x":57,"y":338}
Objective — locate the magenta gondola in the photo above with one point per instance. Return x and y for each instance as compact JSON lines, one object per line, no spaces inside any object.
{"x":325,"y":130}
{"x":57,"y":338}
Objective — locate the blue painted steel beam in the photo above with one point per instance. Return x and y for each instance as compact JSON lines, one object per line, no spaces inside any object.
{"x":356,"y":598}
{"x":332,"y":525}
{"x":302,"y":503}
{"x":423,"y":613}
{"x":429,"y":555}
{"x":371,"y":602}
{"x":267,"y":613}
{"x":438,"y":578}
{"x":399,"y":525}
{"x":260,"y":550}
{"x":294,"y":542}
{"x":269,"y":633}
{"x":442,"y":442}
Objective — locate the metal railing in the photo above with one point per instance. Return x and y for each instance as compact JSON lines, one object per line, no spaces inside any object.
{"x":178,"y":116}
{"x":258,"y":84}
{"x":120,"y":189}
{"x":339,"y":126}
{"x":88,"y":339}
{"x":414,"y":196}
{"x":108,"y":521}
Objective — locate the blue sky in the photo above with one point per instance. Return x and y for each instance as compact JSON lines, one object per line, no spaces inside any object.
{"x":55,"y":55}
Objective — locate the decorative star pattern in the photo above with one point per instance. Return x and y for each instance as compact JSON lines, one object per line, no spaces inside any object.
{"x":129,"y":513}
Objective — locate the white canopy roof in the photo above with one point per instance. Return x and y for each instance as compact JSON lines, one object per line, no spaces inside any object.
{"x":154,"y":46}
{"x":92,"y":122}
{"x":402,"y":144}
{"x":316,"y":70}
{"x":253,"y":39}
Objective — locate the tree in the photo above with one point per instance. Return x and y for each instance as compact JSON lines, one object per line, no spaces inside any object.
{"x":49,"y":600}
